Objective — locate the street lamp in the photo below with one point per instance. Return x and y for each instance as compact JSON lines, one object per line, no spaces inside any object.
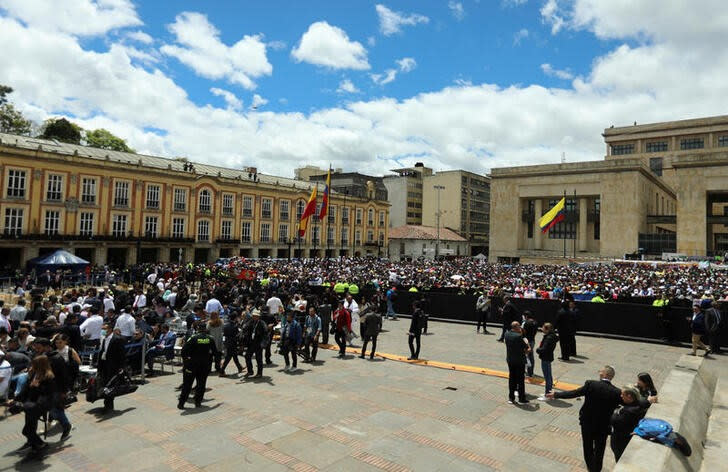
{"x":437,"y":245}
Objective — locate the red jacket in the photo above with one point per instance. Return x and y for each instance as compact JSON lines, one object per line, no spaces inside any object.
{"x":342,"y":318}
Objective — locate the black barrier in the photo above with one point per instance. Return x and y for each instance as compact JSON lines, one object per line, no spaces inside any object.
{"x":618,"y":319}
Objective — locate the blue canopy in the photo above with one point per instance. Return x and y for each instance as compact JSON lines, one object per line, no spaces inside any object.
{"x":59,"y":259}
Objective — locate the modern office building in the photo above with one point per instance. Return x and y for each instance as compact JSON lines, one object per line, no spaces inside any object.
{"x":120,"y":208}
{"x":662,"y":188}
{"x":405,"y":194}
{"x":462,"y":199}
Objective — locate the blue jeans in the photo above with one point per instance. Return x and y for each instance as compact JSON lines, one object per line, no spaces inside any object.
{"x":547,"y":376}
{"x":390,"y":309}
{"x":21,"y":380}
{"x":60,"y":415}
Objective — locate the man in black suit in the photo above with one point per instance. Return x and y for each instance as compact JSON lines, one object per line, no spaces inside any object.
{"x":600,"y":400}
{"x":516,"y":349}
{"x":112,"y":357}
{"x":509,"y":314}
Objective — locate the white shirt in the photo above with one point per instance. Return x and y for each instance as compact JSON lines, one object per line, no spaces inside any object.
{"x":353,"y":307}
{"x":109,"y":304}
{"x":140,"y":301}
{"x":5,"y":373}
{"x":151,"y":278}
{"x":126,"y":324}
{"x":92,"y":327}
{"x":18,"y":313}
{"x":160,"y":286}
{"x":213,"y":304}
{"x":274,"y":304}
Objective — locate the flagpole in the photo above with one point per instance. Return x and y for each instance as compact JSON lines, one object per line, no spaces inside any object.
{"x":576,"y":233}
{"x":564,"y":227}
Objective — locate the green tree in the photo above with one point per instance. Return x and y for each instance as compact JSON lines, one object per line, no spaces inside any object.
{"x":12,"y":121}
{"x":104,"y":139}
{"x":62,"y":130}
{"x":4,"y":92}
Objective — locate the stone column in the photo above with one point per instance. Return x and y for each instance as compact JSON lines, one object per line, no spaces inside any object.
{"x":537,"y":235}
{"x":583,"y":226}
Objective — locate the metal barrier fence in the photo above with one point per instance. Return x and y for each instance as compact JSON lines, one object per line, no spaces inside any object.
{"x":630,"y":320}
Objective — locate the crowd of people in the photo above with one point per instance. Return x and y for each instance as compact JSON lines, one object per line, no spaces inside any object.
{"x":213,"y":314}
{"x":615,"y":281}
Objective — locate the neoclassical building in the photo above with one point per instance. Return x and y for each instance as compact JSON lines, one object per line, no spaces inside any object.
{"x":662,"y":188}
{"x":120,"y":208}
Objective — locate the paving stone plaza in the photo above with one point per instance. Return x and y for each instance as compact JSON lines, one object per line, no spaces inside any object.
{"x":348,"y":414}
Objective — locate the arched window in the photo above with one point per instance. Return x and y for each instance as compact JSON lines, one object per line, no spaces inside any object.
{"x":205,"y":201}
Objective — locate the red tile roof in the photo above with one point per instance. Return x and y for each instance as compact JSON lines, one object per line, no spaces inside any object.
{"x":424,"y":232}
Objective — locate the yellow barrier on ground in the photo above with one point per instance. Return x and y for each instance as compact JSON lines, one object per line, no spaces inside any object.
{"x":456,"y":367}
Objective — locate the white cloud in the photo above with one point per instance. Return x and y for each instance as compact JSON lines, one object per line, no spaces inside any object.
{"x":258,"y":102}
{"x":513,"y":3}
{"x":549,"y":70}
{"x":329,"y":46}
{"x":198,"y":46}
{"x":74,"y":17}
{"x":277,"y":45}
{"x":391,"y":22}
{"x":456,"y":9}
{"x":382,"y":79}
{"x":668,"y":79}
{"x":550,"y":13}
{"x":404,"y":65}
{"x":347,"y":86}
{"x":140,"y":37}
{"x":232,"y":101}
{"x":371,"y":41}
{"x":519,"y":36}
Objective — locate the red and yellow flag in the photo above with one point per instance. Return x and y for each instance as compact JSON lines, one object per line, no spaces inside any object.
{"x":325,"y":202}
{"x":309,"y":210}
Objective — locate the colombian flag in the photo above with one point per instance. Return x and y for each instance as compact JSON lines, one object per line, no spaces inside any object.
{"x":553,"y":216}
{"x":309,"y":210}
{"x":325,"y":203}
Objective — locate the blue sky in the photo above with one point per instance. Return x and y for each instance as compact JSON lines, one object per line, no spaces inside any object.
{"x":365,"y":85}
{"x":503,"y":43}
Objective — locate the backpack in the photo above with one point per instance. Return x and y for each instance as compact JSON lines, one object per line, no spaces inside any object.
{"x":655,"y":430}
{"x":661,"y":432}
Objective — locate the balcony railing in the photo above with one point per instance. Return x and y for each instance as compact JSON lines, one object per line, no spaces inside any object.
{"x":247,"y":213}
{"x":227,"y":212}
{"x":152,"y":205}
{"x":226,"y":240}
{"x":128,"y":237}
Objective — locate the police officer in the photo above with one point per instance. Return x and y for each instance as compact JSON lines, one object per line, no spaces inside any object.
{"x":197,"y":355}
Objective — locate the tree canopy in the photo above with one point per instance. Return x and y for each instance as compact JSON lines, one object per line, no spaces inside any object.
{"x":104,"y":139}
{"x":11,"y":120}
{"x":62,"y":130}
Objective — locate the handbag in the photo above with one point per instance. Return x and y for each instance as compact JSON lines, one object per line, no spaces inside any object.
{"x":119,"y":385}
{"x":333,"y":329}
{"x":92,"y":393}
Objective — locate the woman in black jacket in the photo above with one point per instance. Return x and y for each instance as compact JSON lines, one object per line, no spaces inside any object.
{"x":545,"y":352}
{"x":42,"y":389}
{"x":625,"y":420}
